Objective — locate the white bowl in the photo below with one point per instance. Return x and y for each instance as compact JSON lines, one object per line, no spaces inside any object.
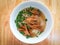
{"x":37,"y":5}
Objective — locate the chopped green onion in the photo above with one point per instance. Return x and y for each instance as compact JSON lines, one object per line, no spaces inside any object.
{"x":23,"y":23}
{"x":28,"y":27}
{"x":17,"y":25}
{"x":28,"y":36}
{"x":22,"y":32}
{"x":31,"y":8}
{"x":45,"y":19}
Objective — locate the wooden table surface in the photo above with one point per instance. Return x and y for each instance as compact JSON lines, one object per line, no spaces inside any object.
{"x":6,"y":36}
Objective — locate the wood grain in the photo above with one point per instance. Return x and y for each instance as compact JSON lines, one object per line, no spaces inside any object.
{"x":6,"y":36}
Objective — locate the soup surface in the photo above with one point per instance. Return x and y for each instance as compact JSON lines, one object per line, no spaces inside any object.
{"x":30,"y":22}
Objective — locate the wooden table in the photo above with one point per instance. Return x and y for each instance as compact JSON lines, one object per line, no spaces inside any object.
{"x":6,"y":36}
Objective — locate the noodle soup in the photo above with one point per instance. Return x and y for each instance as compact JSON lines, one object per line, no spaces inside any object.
{"x":30,"y":22}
